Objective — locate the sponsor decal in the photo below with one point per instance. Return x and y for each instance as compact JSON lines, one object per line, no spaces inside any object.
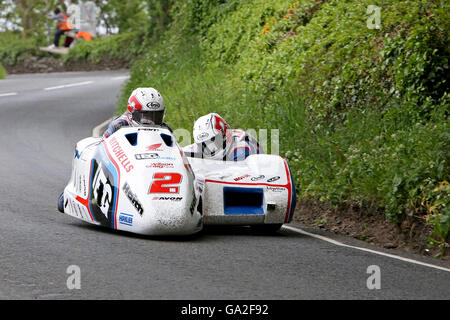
{"x":84,"y":186}
{"x":166,"y":158}
{"x":258,"y":178}
{"x":154,"y":147}
{"x":148,"y":129}
{"x":203,"y":135}
{"x":241,"y":177}
{"x":153,"y":105}
{"x":273,"y":179}
{"x":120,"y":155}
{"x":160,"y":165}
{"x":126,"y":219}
{"x":275,"y":189}
{"x":152,"y":156}
{"x":168,"y":198}
{"x":146,"y":156}
{"x":133,"y":198}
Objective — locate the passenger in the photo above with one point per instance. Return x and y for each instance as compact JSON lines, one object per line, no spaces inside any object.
{"x":214,"y":139}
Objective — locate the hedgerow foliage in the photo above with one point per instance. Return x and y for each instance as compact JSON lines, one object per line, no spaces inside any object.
{"x":123,"y":46}
{"x":362,"y":112}
{"x":14,"y":49}
{"x":2,"y":72}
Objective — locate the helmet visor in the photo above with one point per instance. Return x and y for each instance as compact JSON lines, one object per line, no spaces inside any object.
{"x":213,"y":145}
{"x":148,"y":117}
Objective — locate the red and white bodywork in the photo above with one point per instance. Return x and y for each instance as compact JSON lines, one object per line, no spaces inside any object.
{"x":136,"y":180}
{"x":256,"y":191}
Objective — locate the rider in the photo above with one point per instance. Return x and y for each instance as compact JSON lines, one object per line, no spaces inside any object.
{"x":145,"y":107}
{"x":215,"y":139}
{"x":63,"y":26}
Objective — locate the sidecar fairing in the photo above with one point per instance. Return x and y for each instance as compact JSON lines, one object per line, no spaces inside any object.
{"x":136,"y":180}
{"x":258,"y":191}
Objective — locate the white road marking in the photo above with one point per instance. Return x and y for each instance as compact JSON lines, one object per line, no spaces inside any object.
{"x":69,"y":85}
{"x":121,"y":78}
{"x":8,"y":94}
{"x":337,"y":243}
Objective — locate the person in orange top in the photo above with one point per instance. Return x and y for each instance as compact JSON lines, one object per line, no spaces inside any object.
{"x":63,"y":26}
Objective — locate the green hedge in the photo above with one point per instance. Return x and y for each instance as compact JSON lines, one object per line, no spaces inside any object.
{"x":14,"y":49}
{"x":362,"y":113}
{"x":124,"y":46}
{"x":2,"y":72}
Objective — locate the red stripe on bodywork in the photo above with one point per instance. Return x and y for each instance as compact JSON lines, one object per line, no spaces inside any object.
{"x":85,"y":202}
{"x":288,"y":175}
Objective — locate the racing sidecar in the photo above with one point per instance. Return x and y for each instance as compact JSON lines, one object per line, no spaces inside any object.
{"x":139,"y":180}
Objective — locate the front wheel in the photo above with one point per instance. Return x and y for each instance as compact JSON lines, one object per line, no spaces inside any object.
{"x":61,"y":203}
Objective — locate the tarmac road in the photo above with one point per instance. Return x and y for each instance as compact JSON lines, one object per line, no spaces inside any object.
{"x":42,"y":118}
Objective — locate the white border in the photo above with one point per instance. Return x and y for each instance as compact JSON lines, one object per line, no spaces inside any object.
{"x":337,"y":243}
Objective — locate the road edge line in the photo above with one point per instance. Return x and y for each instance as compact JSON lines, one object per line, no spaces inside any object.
{"x":338,"y":243}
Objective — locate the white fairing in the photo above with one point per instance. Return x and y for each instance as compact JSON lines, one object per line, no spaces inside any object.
{"x":258,"y":190}
{"x":136,"y":180}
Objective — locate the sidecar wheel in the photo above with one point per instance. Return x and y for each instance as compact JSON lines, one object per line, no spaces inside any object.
{"x":61,"y":203}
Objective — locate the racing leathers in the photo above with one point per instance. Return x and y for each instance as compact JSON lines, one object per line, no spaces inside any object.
{"x":124,"y":120}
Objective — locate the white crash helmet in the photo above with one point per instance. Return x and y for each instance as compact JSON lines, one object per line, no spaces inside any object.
{"x":213,"y":136}
{"x":146,"y":107}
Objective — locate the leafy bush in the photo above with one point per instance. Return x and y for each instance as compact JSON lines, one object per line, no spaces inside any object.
{"x":362,"y":113}
{"x":124,"y":46}
{"x":2,"y":72}
{"x":14,"y":49}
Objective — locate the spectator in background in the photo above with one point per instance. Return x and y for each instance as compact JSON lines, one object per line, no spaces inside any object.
{"x":63,"y":26}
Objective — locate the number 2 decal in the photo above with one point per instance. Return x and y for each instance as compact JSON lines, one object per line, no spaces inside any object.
{"x":165,"y":183}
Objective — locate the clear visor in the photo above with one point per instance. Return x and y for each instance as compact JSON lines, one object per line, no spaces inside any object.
{"x":148,"y":117}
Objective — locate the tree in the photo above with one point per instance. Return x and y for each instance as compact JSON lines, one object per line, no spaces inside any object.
{"x":32,"y":14}
{"x":159,"y":17}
